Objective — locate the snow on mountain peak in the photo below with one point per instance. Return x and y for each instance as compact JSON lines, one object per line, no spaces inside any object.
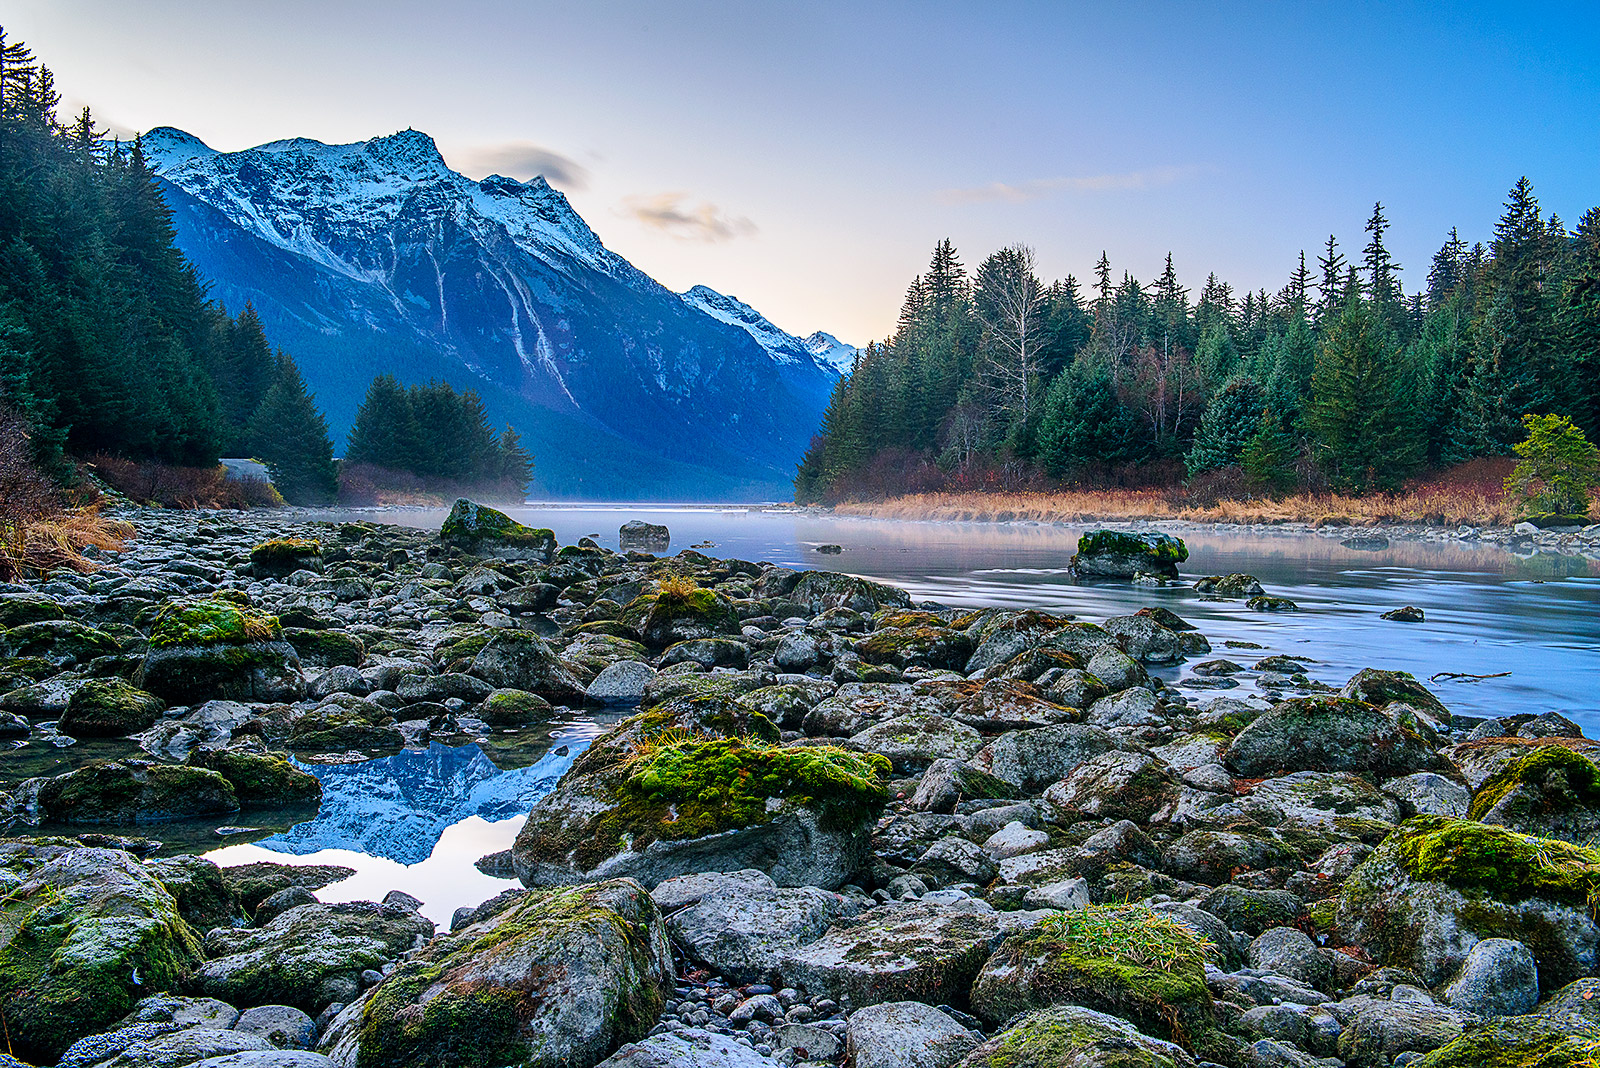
{"x":831,"y":352}
{"x":831,"y":355}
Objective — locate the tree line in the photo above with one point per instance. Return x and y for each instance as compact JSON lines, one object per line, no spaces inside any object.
{"x":110,"y":345}
{"x":1340,"y":378}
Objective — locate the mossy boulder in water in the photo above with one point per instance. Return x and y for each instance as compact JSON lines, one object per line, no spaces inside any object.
{"x":559,"y":979}
{"x":1377,"y":687}
{"x":483,"y":531}
{"x":84,"y":933}
{"x":217,"y":649}
{"x":1140,"y":964}
{"x":820,"y":591}
{"x":109,"y":708}
{"x":132,"y":791}
{"x":1437,"y":886}
{"x":645,"y":537}
{"x":1118,"y":554}
{"x":681,"y":611}
{"x":651,"y":800}
{"x":1552,"y":792}
{"x":261,"y":780}
{"x":283,"y":556}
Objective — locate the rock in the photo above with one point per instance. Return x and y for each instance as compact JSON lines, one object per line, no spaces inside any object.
{"x":201,"y":650}
{"x":522,"y":660}
{"x":1499,"y":978}
{"x":204,"y":900}
{"x":108,"y":708}
{"x":1142,"y":638}
{"x":1333,"y":734}
{"x":1552,"y":792}
{"x":808,"y":1042}
{"x":1115,"y":554}
{"x":906,"y":1034}
{"x":917,"y":645}
{"x":483,"y":531}
{"x":621,"y":683}
{"x":1428,"y":794}
{"x":682,"y":611}
{"x":954,"y":860}
{"x":284,"y":1026}
{"x":947,"y":782}
{"x":820,"y":591}
{"x":278,"y":1058}
{"x":308,"y":956}
{"x":282,"y":557}
{"x":1063,"y":894}
{"x":798,"y":652}
{"x":1013,"y":840}
{"x":1116,"y":786}
{"x":680,"y":891}
{"x":339,"y":679}
{"x":1133,"y":707}
{"x":801,"y":813}
{"x":913,"y":741}
{"x":1437,"y":886}
{"x":1117,"y":670}
{"x":87,"y":931}
{"x":1520,"y":1040}
{"x":451,"y":684}
{"x":1409,"y":614}
{"x":188,"y":1046}
{"x":254,"y":883}
{"x":1291,"y":952}
{"x":708,"y":653}
{"x":182,"y":1012}
{"x":1070,"y":1036}
{"x":689,"y":1047}
{"x":1381,"y":688}
{"x":133,"y":791}
{"x":1234,"y":585}
{"x":637,"y":535}
{"x":1031,"y":760}
{"x":1271,"y":604}
{"x":261,"y":780}
{"x":513,"y":708}
{"x":1253,"y":910}
{"x":1155,"y":977}
{"x":561,"y":978}
{"x":60,"y":642}
{"x":1211,"y":857}
{"x":742,"y":932}
{"x":913,"y":952}
{"x":1382,"y":1030}
{"x":276,"y":904}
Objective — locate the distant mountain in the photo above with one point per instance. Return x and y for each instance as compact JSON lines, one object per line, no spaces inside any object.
{"x":377,"y":257}
{"x":819,"y":349}
{"x":831,"y":352}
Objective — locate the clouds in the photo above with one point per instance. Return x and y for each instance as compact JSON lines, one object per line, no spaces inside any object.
{"x":1022,"y":192}
{"x":523,"y":160}
{"x":676,"y":215}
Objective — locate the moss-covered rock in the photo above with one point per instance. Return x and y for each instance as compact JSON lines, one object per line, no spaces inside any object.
{"x":1000,"y":704}
{"x":61,"y":642}
{"x":1234,"y":585}
{"x":109,"y":708}
{"x":332,"y":727}
{"x":261,"y":780}
{"x":308,"y":956}
{"x":1069,"y":1036}
{"x":282,"y":556}
{"x":325,"y":648}
{"x":680,"y":611}
{"x":917,"y":646}
{"x":1118,"y":554}
{"x":651,"y":800}
{"x":513,"y":708}
{"x":196,"y":884}
{"x":1377,"y":687}
{"x":821,"y":591}
{"x":521,"y":660}
{"x":1437,"y":886}
{"x":131,"y":791}
{"x":216,"y":649}
{"x":1334,"y":734}
{"x":17,"y":609}
{"x":1128,"y":960}
{"x":1552,"y":792}
{"x":483,"y":531}
{"x":1520,"y":1042}
{"x":254,"y":883}
{"x":82,"y":937}
{"x":558,"y":980}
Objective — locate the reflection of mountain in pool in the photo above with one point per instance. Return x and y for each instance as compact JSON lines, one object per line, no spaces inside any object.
{"x":396,"y":807}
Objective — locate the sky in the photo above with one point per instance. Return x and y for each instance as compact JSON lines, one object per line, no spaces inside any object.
{"x":805,"y":157}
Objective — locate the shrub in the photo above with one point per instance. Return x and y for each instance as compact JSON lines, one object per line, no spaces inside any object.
{"x":1558,"y":467}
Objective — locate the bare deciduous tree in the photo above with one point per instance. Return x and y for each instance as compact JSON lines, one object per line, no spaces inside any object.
{"x":1010,"y":302}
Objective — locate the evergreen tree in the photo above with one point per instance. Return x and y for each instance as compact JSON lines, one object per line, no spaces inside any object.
{"x":1330,"y":290}
{"x":1084,"y":423}
{"x":385,"y":432}
{"x":1578,"y":325}
{"x":1231,"y":419}
{"x":290,"y":436}
{"x":515,"y":462}
{"x":1268,"y":457}
{"x":1363,"y":413}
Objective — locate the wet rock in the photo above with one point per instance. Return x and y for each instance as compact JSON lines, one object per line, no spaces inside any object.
{"x":688,"y":1047}
{"x":1333,"y":734}
{"x":261,"y":780}
{"x":561,"y":978}
{"x":1499,"y":978}
{"x":1115,"y":554}
{"x":1271,"y":604}
{"x":132,"y":791}
{"x":1408,"y":614}
{"x":254,"y":883}
{"x":622,"y":683}
{"x":1234,"y":585}
{"x":200,"y":650}
{"x":637,"y":535}
{"x":483,"y":531}
{"x":108,"y":708}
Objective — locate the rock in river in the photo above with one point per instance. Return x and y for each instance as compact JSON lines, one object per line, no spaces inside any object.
{"x":1118,"y":554}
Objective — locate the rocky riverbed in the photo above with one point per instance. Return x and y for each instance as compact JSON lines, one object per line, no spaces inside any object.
{"x":829,"y":826}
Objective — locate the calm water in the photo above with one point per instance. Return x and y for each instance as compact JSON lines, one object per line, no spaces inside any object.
{"x":417,"y":821}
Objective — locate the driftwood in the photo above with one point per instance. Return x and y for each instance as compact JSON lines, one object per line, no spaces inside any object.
{"x":1464,"y":677}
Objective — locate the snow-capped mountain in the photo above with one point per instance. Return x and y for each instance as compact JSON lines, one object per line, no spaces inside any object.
{"x":376,"y":257}
{"x":784,"y":347}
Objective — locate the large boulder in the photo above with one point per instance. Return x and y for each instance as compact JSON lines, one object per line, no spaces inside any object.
{"x":820,"y":591}
{"x":521,"y":660}
{"x":281,"y":557}
{"x":86,"y":933}
{"x":309,"y":956}
{"x":483,"y":531}
{"x":1379,"y":687}
{"x":1118,"y":554}
{"x":261,"y":780}
{"x":1436,"y":887}
{"x":1070,"y":1036}
{"x":652,"y":805}
{"x":687,"y":1047}
{"x":638,"y":535}
{"x":906,"y":1034}
{"x":679,"y":611}
{"x":1128,"y":960}
{"x":1031,"y":760}
{"x":558,"y":980}
{"x":130,"y":791}
{"x":1552,"y":792}
{"x":742,"y":929}
{"x":1334,"y":734}
{"x":60,"y":642}
{"x":108,"y":708}
{"x":200,"y":650}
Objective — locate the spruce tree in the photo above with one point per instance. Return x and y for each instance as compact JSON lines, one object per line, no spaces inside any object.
{"x":1363,"y":413}
{"x":1231,"y":419}
{"x":1084,"y":423}
{"x":290,"y":436}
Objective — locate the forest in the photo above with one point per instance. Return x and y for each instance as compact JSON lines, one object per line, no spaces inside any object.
{"x":1342,"y":379}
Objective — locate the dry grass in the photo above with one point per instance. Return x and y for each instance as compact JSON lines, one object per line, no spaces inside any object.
{"x":1471,"y":494}
{"x":182,"y":487}
{"x":58,"y":541}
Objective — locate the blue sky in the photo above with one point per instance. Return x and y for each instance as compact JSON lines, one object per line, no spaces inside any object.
{"x":806,"y":156}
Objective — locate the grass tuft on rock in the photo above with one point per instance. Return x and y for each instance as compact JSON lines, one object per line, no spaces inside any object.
{"x":211,"y":622}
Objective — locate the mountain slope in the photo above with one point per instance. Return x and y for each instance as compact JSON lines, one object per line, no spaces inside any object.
{"x":376,"y":257}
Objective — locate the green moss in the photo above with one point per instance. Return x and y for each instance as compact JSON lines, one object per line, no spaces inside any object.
{"x":59,"y":641}
{"x":211,"y":622}
{"x":1160,"y":548}
{"x":1521,"y":1042}
{"x":470,"y":525}
{"x":285,"y":554}
{"x":109,"y":708}
{"x":326,"y":647}
{"x":1127,"y":960}
{"x":1052,"y":1037}
{"x":1498,"y":862}
{"x":678,"y":787}
{"x":1581,"y":775}
{"x":261,"y":780}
